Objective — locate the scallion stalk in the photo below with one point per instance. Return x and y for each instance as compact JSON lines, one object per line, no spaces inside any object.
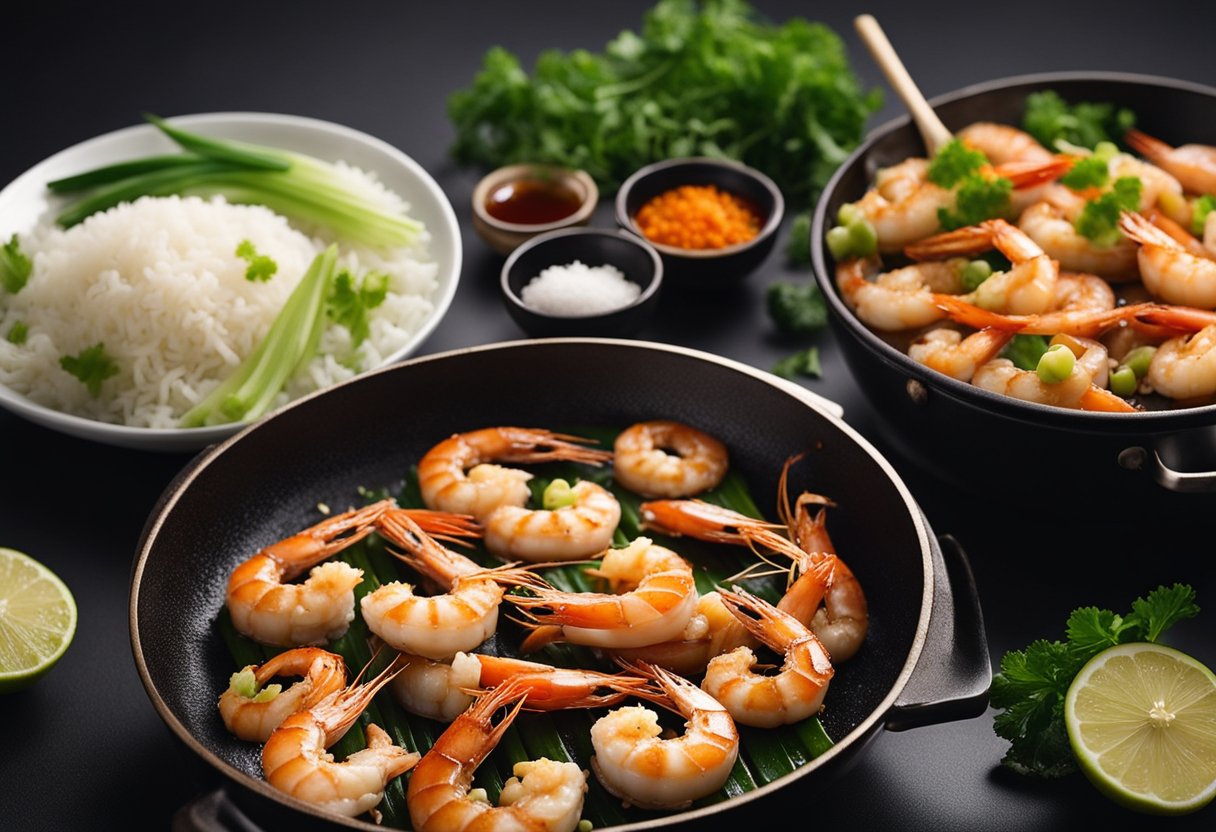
{"x":291,"y":341}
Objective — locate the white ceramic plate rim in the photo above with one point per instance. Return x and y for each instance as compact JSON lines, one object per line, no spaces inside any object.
{"x":26,"y":199}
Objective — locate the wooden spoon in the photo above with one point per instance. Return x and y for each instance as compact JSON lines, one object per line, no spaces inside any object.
{"x":931,"y":128}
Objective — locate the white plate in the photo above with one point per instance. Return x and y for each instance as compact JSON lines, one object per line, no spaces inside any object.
{"x":26,"y":199}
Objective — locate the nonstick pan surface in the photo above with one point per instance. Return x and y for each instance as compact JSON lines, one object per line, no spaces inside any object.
{"x":265,"y":483}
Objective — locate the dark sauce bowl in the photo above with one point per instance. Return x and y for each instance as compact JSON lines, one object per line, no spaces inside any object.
{"x":691,"y":269}
{"x":1165,"y":458}
{"x":636,"y":259}
{"x":503,"y":235}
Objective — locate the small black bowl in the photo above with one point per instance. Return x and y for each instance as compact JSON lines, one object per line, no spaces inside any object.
{"x":706,"y":268}
{"x":636,"y":259}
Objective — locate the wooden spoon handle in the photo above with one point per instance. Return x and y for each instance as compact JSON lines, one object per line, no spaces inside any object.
{"x":931,"y":128}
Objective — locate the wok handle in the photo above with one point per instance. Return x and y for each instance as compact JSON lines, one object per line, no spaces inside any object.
{"x":953,"y":674}
{"x":1183,"y":482}
{"x":213,"y":812}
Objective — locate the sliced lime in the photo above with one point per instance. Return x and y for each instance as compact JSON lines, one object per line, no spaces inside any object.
{"x":1142,"y":722}
{"x":37,"y":619}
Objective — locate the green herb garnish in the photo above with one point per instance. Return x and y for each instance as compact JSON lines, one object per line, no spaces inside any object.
{"x":350,"y":301}
{"x":17,"y":333}
{"x":699,"y":79}
{"x":261,"y":267}
{"x":1049,"y":117}
{"x":804,"y":362}
{"x":1199,"y":213}
{"x":976,"y":200}
{"x":954,"y":163}
{"x":1026,"y":350}
{"x":92,"y":366}
{"x":1031,"y":686}
{"x":15,"y":266}
{"x":798,"y":248}
{"x":1099,"y":219}
{"x":797,"y":307}
{"x":1090,"y":172}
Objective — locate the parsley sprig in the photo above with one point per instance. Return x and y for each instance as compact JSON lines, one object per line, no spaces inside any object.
{"x":92,"y":366}
{"x":1032,"y":684}
{"x":1099,"y":219}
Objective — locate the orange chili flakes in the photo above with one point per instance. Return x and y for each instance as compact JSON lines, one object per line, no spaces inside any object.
{"x":697,"y":216}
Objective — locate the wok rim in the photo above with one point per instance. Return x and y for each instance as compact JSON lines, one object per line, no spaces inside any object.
{"x":842,"y":746}
{"x":974,"y":397}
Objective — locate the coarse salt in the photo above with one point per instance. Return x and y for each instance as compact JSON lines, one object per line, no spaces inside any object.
{"x":577,"y":289}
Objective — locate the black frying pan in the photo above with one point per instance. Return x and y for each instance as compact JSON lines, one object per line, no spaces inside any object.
{"x":925,"y":659}
{"x":1163,"y":457}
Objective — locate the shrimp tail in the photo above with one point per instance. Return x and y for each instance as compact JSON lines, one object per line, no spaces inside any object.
{"x":379,"y":741}
{"x":973,"y":239}
{"x":538,"y":445}
{"x":962,"y":311}
{"x":440,"y":525}
{"x":541,"y":636}
{"x":1031,"y":174}
{"x":1139,"y":229}
{"x":1146,"y":145}
{"x":1175,"y":318}
{"x":316,"y":543}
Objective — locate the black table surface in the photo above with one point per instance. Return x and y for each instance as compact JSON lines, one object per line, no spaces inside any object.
{"x":84,"y":748}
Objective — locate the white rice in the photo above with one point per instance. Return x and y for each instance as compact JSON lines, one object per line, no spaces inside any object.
{"x":158,"y":283}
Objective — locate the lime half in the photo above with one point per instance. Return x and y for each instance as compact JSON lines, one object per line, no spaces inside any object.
{"x":1142,"y":722}
{"x":37,"y":619}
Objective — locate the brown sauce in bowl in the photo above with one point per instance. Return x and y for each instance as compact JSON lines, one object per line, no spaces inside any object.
{"x":532,"y":202}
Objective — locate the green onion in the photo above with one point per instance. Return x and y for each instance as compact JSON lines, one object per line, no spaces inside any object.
{"x":840,"y":242}
{"x":1199,"y":213}
{"x":1138,"y":360}
{"x":975,"y":273}
{"x":15,"y":266}
{"x":1106,"y":151}
{"x":1056,"y":364}
{"x":848,"y":214}
{"x":1123,"y":381}
{"x":290,"y":343}
{"x":557,"y":495}
{"x":291,"y":184}
{"x":18,"y":333}
{"x":863,"y":238}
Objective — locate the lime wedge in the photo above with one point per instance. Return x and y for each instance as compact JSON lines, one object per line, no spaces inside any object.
{"x":1142,"y":722}
{"x":37,"y":619}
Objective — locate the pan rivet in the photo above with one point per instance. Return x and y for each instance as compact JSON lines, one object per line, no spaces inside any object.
{"x":1132,"y":459}
{"x":917,"y":392}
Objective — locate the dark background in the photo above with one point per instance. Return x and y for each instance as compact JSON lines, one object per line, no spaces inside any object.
{"x":85,"y":749}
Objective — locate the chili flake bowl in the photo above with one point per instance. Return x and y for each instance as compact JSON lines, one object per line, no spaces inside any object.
{"x":710,"y":268}
{"x":636,"y":259}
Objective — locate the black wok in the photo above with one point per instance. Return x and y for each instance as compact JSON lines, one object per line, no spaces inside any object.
{"x":972,"y":436}
{"x":925,"y":659}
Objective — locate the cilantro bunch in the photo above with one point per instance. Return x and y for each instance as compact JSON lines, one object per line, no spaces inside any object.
{"x":1032,"y":684}
{"x":704,"y":78}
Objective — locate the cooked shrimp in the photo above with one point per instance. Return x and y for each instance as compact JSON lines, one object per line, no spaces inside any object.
{"x":766,"y":701}
{"x":1077,"y":391}
{"x":636,"y":764}
{"x":1184,"y":237}
{"x":1154,"y":181}
{"x":1168,"y":270}
{"x":903,"y":204}
{"x":948,"y":352}
{"x":318,"y":610}
{"x":711,"y":631}
{"x":295,"y":761}
{"x":1194,"y":165}
{"x":901,"y":298}
{"x":1002,"y":143}
{"x":444,"y":691}
{"x":1185,"y":367}
{"x":657,"y":598}
{"x":1088,"y":323}
{"x":458,"y":474}
{"x":436,"y":626}
{"x":251,"y":709}
{"x":1028,"y":287}
{"x":574,"y":531}
{"x":543,"y":795}
{"x":642,"y":462}
{"x":843,"y":620}
{"x":1050,"y":224}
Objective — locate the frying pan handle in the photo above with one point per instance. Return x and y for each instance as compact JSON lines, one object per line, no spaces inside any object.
{"x":1184,"y":482}
{"x":952,"y":675}
{"x":212,"y":812}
